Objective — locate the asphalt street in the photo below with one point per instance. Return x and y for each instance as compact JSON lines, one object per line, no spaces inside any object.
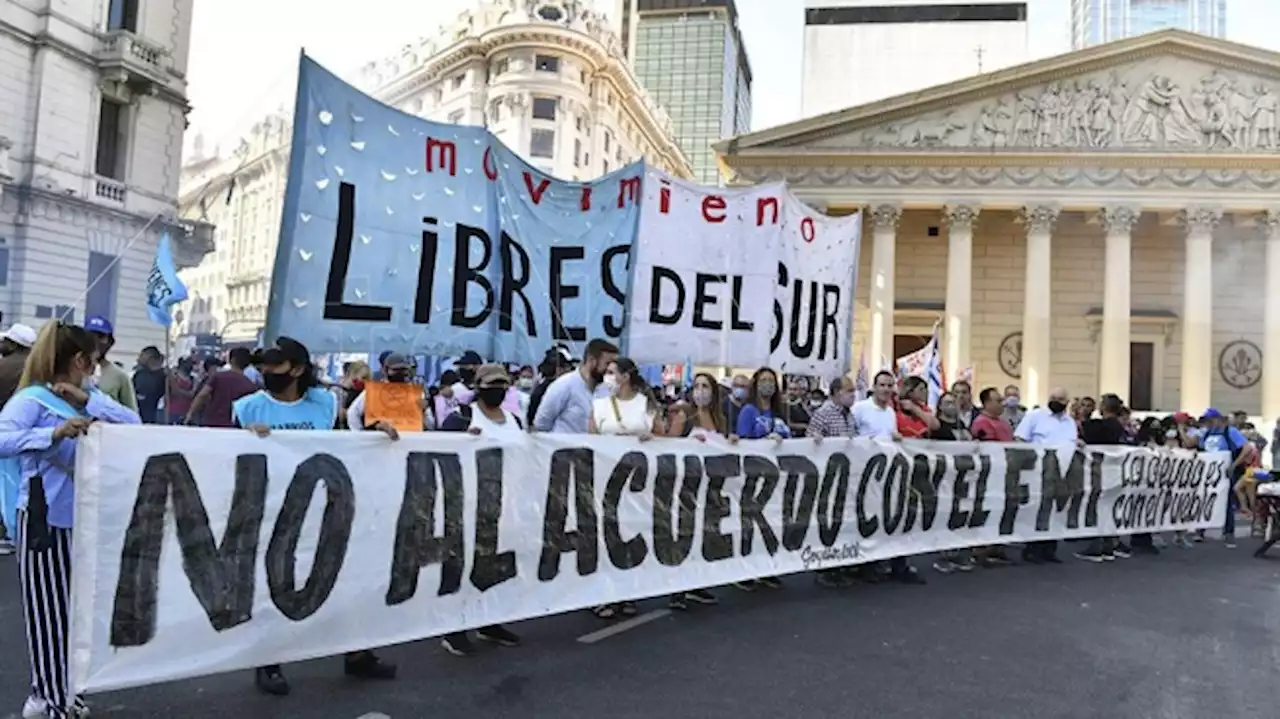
{"x":1191,"y":634}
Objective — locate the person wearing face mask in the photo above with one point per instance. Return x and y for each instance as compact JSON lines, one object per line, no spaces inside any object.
{"x":628,"y":410}
{"x":737,"y":399}
{"x":763,"y":417}
{"x":395,"y":368}
{"x":556,"y":362}
{"x":797,"y":410}
{"x":566,"y":405}
{"x":487,"y":418}
{"x":1013,"y":409}
{"x":951,"y":429}
{"x":149,"y":381}
{"x":1053,"y":426}
{"x":40,"y":426}
{"x":292,"y":399}
{"x":834,"y":418}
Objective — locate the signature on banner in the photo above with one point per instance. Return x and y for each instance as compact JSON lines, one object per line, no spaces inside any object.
{"x":840,"y":553}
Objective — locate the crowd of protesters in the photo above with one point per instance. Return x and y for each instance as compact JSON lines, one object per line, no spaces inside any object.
{"x":54,"y":384}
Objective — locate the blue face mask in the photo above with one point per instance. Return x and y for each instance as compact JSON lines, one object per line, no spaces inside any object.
{"x":739,"y":393}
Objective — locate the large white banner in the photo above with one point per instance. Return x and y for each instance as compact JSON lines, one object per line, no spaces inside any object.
{"x":197,"y":554}
{"x":745,"y":277}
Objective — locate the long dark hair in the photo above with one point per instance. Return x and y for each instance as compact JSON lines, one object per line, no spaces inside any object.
{"x":753,"y":393}
{"x":628,"y":368}
{"x":716,"y":409}
{"x":56,"y":347}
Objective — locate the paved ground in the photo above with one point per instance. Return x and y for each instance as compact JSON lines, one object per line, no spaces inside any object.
{"x":1191,"y":634}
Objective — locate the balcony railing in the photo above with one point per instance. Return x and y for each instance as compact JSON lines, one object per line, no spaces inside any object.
{"x":125,"y":53}
{"x":110,"y":191}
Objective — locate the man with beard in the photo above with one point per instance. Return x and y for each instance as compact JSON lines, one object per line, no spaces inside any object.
{"x":566,"y":406}
{"x":112,"y":381}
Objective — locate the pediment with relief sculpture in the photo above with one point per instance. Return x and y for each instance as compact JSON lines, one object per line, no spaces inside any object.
{"x":1171,"y":92}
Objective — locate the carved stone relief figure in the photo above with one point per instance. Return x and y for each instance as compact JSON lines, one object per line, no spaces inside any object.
{"x":1047,"y":117}
{"x":1160,"y":115}
{"x":1262,"y":117}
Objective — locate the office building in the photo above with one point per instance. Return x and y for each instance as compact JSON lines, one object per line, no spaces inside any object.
{"x":1099,"y":21}
{"x":691,"y":56}
{"x":547,"y":78}
{"x":92,"y":111}
{"x":860,"y":51}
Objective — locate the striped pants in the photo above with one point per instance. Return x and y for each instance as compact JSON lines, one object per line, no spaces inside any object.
{"x":45,"y":578}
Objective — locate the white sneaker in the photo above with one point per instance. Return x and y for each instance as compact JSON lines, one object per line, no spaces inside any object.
{"x":35,"y":708}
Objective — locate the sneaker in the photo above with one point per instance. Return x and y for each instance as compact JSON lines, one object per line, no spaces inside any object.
{"x":7,"y":547}
{"x":1109,"y":556}
{"x":367,"y":665}
{"x":747,"y":585}
{"x":998,"y":560}
{"x":1123,"y":550}
{"x":770,"y":582}
{"x":79,"y":710}
{"x":499,"y":635}
{"x":964,"y":565}
{"x":270,"y":680}
{"x":35,"y":708}
{"x":1229,"y":542}
{"x":701,"y":596}
{"x":1091,"y":556}
{"x":1198,"y":537}
{"x":677,"y":601}
{"x":458,"y":645}
{"x":945,"y":566}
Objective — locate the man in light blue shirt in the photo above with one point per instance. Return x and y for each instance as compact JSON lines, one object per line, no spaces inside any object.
{"x":566,"y":406}
{"x":1050,"y":424}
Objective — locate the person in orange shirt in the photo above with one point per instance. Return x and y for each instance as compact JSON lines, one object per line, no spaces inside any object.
{"x":915,"y":421}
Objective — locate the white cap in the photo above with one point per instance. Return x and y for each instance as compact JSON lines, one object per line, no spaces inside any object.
{"x":20,"y":335}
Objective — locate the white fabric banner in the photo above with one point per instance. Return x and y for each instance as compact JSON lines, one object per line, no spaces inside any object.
{"x":194,"y":556}
{"x":745,"y":277}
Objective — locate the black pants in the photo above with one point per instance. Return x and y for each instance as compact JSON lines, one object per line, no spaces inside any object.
{"x":1043,"y":549}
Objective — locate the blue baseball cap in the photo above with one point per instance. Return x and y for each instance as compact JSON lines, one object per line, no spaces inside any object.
{"x":1212,"y":413}
{"x":99,"y":324}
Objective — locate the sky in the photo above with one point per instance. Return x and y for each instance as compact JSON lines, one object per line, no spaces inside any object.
{"x":240,"y":71}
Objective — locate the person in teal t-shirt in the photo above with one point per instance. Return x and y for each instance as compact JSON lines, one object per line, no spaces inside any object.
{"x":292,"y":399}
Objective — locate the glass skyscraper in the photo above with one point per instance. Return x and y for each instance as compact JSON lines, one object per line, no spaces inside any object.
{"x":1099,"y":21}
{"x":690,"y":55}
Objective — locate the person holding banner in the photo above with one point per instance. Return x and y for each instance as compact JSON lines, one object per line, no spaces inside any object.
{"x":293,"y":399}
{"x":40,"y":425}
{"x":763,"y":417}
{"x":485,"y":417}
{"x":566,"y":405}
{"x":395,"y":371}
{"x":628,"y":410}
{"x":1047,"y":425}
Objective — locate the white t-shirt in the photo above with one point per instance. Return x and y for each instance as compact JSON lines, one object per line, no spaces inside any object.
{"x":1040,"y":426}
{"x":632,"y":416}
{"x":489,"y":428}
{"x":872,"y":420}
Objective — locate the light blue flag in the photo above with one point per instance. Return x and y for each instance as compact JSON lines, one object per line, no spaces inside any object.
{"x":436,"y":239}
{"x":164,"y":288}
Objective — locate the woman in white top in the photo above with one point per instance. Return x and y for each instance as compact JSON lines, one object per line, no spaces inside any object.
{"x":626,"y":410}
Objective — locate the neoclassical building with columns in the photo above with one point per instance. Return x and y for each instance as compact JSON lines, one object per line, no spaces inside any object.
{"x":1106,"y":220}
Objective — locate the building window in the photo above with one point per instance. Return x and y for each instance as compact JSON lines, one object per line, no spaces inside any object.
{"x":546,"y":63}
{"x":618,"y":155}
{"x":103,"y":282}
{"x":586,"y":159}
{"x":4,"y":266}
{"x":111,"y":140}
{"x":457,"y":81}
{"x":606,"y":167}
{"x":542,"y":143}
{"x":577,"y":123}
{"x":123,"y":15}
{"x":582,"y":76}
{"x":437,"y":96}
{"x":544,"y":108}
{"x":608,"y":142}
{"x":455,"y":117}
{"x":43,"y":312}
{"x":577,"y":153}
{"x":66,"y":313}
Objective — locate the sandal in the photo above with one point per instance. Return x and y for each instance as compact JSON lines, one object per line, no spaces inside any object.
{"x":605,"y":611}
{"x":629,"y":609}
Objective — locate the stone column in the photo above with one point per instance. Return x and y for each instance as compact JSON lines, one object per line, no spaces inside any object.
{"x":1036,"y":315}
{"x":960,"y":220}
{"x":1113,"y":368}
{"x":1197,"y":309}
{"x":880,"y":340}
{"x":1269,"y":221}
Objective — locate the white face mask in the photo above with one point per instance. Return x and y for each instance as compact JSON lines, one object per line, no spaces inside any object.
{"x":611,"y":383}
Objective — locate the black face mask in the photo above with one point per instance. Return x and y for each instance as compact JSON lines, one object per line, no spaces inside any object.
{"x":492,"y":396}
{"x":276,"y":383}
{"x":467,"y":375}
{"x":1057,"y":407}
{"x":399,"y":377}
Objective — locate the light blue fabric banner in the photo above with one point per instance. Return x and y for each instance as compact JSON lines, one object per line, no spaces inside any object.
{"x":435,"y":239}
{"x":164,"y":288}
